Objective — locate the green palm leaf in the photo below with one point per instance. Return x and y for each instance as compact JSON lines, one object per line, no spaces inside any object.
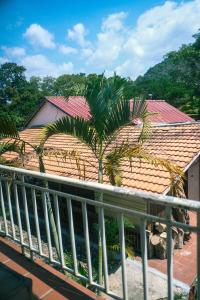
{"x":114,"y":160}
{"x":10,"y":146}
{"x":102,"y":98}
{"x":77,"y":127}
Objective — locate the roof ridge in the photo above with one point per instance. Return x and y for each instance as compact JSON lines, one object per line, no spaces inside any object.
{"x":176,"y":124}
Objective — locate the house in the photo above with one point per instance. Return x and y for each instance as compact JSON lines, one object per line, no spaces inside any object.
{"x":179,"y":143}
{"x":56,"y":107}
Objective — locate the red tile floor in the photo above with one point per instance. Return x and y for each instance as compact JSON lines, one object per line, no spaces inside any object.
{"x":185,"y":259}
{"x":47,"y":282}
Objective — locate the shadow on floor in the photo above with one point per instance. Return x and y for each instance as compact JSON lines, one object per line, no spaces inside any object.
{"x":70,"y":290}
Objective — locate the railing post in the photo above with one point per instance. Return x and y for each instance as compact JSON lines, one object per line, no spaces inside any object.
{"x":46,"y":217}
{"x":87,"y":241}
{"x":36,"y":220}
{"x":72,"y":235}
{"x":18,"y":215}
{"x":169,"y":254}
{"x":3,"y":209}
{"x":27,"y":218}
{"x":59,"y":230}
{"x":105,"y":261}
{"x":10,"y":208}
{"x":123,"y":256}
{"x":143,"y":237}
{"x":198,"y":255}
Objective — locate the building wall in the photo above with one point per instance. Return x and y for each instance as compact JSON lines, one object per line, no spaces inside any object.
{"x":48,"y":113}
{"x":194,"y":181}
{"x":138,"y":204}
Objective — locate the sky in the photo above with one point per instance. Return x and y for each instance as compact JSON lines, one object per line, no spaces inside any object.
{"x":50,"y":38}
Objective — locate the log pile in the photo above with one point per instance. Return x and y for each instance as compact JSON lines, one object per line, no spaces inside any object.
{"x":158,"y":235}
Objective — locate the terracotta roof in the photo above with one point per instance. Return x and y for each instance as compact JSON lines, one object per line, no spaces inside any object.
{"x":164,"y":112}
{"x":178,"y":143}
{"x":73,"y":105}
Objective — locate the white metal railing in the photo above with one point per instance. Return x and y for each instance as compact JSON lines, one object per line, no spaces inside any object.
{"x":19,"y":188}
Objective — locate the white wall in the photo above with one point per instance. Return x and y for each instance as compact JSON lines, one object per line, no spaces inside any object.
{"x":48,"y":113}
{"x":194,"y":181}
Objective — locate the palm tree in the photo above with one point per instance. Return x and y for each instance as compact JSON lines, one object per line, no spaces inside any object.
{"x":110,"y":112}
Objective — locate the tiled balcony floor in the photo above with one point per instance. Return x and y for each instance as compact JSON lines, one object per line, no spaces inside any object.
{"x":47,"y":283}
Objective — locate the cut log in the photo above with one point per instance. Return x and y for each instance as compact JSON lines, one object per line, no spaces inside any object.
{"x":161,"y":249}
{"x":160,"y":246}
{"x":160,"y":227}
{"x":151,"y":247}
{"x":163,"y":235}
{"x":155,"y":239}
{"x":178,"y":236}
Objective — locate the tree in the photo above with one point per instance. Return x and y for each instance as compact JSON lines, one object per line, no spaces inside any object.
{"x":176,"y":79}
{"x":110,"y":112}
{"x":69,"y":85}
{"x":18,"y":97}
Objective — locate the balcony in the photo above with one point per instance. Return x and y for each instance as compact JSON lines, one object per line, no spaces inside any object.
{"x":30,"y":202}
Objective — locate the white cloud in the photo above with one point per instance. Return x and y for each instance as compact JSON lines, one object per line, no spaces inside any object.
{"x":130,"y":51}
{"x":67,"y":50}
{"x":78,"y":34}
{"x":39,"y":36}
{"x":114,"y":22}
{"x":159,"y":30}
{"x":109,"y":42}
{"x":40,"y":65}
{"x":14,"y":51}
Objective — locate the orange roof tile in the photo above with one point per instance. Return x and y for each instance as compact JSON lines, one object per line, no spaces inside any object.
{"x":178,"y":143}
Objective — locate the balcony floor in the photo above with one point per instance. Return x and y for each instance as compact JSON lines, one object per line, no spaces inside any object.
{"x":47,"y":282}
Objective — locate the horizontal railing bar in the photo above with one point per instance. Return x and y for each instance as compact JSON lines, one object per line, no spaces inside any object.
{"x":128,"y":193}
{"x":115,"y":208}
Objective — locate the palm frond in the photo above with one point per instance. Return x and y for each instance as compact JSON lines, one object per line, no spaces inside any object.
{"x":146,"y":129}
{"x":73,"y":155}
{"x":10,"y":147}
{"x":138,"y":108}
{"x":77,"y":127}
{"x":7,"y":127}
{"x":102,"y":99}
{"x":114,"y":159}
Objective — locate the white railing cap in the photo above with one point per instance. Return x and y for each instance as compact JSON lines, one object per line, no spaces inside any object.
{"x":127,"y":193}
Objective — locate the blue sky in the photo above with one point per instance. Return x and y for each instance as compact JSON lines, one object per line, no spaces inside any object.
{"x":57,"y":37}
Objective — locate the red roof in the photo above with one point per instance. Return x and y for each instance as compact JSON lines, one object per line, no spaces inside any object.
{"x":164,"y":112}
{"x":73,"y":105}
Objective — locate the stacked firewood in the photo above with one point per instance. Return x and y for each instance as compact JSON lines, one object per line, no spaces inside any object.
{"x":158,"y":235}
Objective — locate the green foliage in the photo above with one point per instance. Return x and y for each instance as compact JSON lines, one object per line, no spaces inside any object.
{"x":112,"y":235}
{"x":176,"y":79}
{"x":82,"y":268}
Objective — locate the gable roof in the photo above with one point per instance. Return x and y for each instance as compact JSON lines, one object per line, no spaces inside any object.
{"x":178,"y":143}
{"x":73,"y":105}
{"x":163,"y":111}
{"x":77,"y":106}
